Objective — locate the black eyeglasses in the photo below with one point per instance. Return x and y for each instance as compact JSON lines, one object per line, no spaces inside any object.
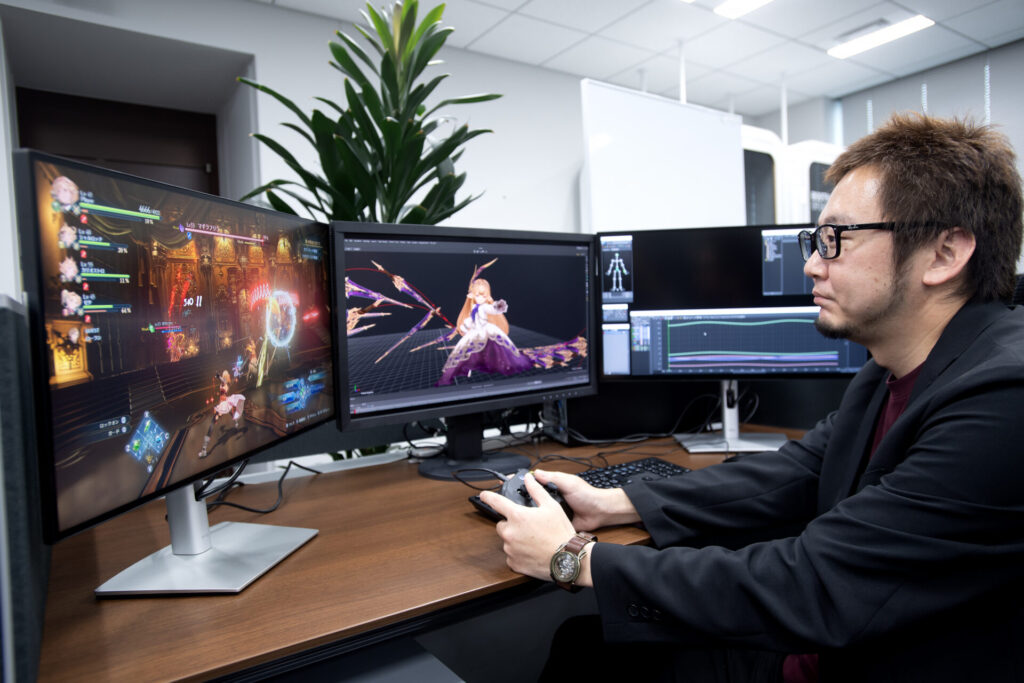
{"x":825,"y":238}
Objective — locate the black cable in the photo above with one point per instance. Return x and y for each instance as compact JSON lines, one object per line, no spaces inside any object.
{"x":632,"y":438}
{"x":280,"y":492}
{"x":204,"y":493}
{"x":497,"y":475}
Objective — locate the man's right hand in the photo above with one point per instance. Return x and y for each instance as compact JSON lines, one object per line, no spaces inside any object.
{"x":593,"y":507}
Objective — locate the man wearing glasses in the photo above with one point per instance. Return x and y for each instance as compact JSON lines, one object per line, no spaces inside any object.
{"x":910,"y":497}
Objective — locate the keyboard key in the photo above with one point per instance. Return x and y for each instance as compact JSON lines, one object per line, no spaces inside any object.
{"x":644,"y":469}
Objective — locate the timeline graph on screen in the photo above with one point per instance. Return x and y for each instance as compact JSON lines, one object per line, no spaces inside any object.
{"x":737,"y":341}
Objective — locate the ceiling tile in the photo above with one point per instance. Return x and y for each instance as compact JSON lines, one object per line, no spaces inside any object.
{"x":661,"y":73}
{"x":780,"y":62}
{"x":794,"y":18}
{"x":326,"y":8}
{"x":470,"y":20}
{"x":837,"y":77}
{"x":507,"y":5}
{"x":718,"y":86}
{"x":661,"y":24}
{"x":943,"y":10}
{"x":831,"y":34}
{"x":611,"y":40}
{"x":729,"y":43}
{"x":597,"y":57}
{"x":585,"y":15}
{"x":526,"y":40}
{"x":765,"y":100}
{"x":994,"y":24}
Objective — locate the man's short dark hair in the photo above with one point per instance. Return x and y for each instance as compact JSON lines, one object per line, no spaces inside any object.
{"x":940,"y":173}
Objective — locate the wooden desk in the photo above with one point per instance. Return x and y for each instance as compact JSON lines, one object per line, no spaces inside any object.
{"x":392,"y":547}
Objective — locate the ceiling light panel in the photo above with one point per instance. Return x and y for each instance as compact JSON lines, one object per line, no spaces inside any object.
{"x":882,"y":36}
{"x":732,"y":9}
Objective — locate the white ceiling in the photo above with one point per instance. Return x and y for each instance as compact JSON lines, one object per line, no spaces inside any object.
{"x":737,"y":65}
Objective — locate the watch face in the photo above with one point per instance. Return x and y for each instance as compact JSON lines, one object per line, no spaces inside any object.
{"x":565,"y":566}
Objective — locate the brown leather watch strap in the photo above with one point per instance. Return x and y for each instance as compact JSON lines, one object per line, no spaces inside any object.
{"x":578,"y":542}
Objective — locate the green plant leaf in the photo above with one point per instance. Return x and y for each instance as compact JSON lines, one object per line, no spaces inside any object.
{"x":426,"y":50}
{"x":406,"y":28}
{"x":356,"y":49}
{"x":382,"y":28}
{"x":374,"y":154}
{"x":468,"y":99}
{"x":279,"y":204}
{"x":430,"y":19}
{"x":278,"y":96}
{"x":348,"y":65}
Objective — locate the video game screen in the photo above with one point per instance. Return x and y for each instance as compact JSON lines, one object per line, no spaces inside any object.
{"x":434,"y":320}
{"x":181,"y":332}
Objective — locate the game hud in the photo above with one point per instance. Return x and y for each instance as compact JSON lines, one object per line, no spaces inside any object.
{"x":182,"y":332}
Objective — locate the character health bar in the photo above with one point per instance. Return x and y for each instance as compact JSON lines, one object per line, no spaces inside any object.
{"x":226,"y":235}
{"x":119,"y":213}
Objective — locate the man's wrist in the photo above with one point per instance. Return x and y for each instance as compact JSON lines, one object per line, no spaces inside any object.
{"x":620,"y":509}
{"x":585,"y":578}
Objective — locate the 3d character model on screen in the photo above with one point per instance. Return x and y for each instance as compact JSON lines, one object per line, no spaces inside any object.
{"x":485,"y":345}
{"x":227,"y":403}
{"x":617,"y":268}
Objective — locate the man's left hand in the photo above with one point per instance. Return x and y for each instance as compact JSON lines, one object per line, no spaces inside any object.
{"x":531,"y":535}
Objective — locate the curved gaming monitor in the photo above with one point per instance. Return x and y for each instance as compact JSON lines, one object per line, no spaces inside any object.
{"x":173,"y":334}
{"x":451,"y":322}
{"x":726,"y":304}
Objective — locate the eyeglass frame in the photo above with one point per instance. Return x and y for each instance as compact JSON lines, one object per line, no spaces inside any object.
{"x":811,"y":237}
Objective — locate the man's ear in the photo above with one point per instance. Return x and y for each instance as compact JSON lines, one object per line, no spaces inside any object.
{"x":950,"y":252}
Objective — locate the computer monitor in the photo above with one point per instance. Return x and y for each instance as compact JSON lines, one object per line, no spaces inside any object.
{"x":173,"y":334}
{"x":450,"y":322}
{"x":725,"y":303}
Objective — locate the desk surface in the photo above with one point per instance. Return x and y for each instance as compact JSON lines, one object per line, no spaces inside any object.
{"x":392,"y":546}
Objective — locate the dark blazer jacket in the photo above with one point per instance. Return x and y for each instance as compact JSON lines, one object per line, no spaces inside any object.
{"x":906,"y":568}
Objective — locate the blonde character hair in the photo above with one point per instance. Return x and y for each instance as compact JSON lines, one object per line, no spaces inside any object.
{"x":480,"y":286}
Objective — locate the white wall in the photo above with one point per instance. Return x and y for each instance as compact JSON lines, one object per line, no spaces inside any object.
{"x":10,"y":279}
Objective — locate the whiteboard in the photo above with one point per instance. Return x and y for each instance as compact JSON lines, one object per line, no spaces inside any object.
{"x":651,"y":162}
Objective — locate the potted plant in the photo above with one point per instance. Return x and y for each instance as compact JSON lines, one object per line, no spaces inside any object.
{"x":381,"y":156}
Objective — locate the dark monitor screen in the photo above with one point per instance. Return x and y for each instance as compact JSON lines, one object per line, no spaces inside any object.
{"x":173,"y":333}
{"x":449,"y":321}
{"x":713,"y":303}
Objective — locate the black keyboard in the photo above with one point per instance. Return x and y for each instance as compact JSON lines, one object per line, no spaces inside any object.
{"x":645,"y":469}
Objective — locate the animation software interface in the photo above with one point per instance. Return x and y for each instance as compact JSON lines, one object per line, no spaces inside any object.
{"x":714,"y":301}
{"x":434,"y":320}
{"x":182,"y":332}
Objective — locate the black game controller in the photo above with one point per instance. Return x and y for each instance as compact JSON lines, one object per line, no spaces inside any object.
{"x":514,"y":488}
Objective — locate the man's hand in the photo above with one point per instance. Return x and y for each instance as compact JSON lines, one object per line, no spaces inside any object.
{"x":531,"y":535}
{"x":593,"y":508}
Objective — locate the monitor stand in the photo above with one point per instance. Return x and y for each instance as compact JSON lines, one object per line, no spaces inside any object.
{"x":224,"y":558}
{"x":730,"y":439}
{"x":464,"y":454}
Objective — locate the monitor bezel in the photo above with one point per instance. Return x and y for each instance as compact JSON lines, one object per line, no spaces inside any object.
{"x":717,"y":375}
{"x":339,"y":229}
{"x":32,"y":291}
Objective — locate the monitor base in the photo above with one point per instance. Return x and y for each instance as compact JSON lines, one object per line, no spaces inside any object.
{"x":239,"y":554}
{"x":717,"y":442}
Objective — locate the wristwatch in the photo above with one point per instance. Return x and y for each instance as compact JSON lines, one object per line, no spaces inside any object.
{"x":565,"y":563}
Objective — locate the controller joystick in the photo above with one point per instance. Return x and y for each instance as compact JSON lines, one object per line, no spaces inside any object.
{"x":514,"y":488}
